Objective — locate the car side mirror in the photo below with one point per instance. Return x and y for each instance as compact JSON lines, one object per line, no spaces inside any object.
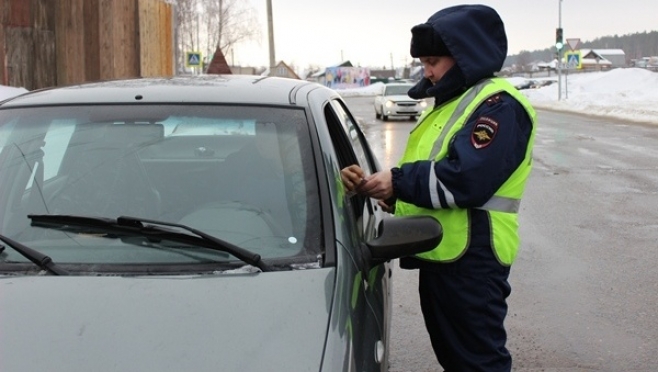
{"x":401,"y":237}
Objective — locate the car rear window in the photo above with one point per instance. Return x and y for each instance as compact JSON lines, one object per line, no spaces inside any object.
{"x":394,"y":90}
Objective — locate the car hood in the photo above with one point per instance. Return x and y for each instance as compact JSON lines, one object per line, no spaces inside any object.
{"x":231,"y":322}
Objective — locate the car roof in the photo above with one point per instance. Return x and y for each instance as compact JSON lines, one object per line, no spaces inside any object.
{"x":180,"y":89}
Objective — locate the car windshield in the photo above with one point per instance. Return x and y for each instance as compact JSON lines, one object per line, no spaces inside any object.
{"x":397,"y":90}
{"x":243,"y":174}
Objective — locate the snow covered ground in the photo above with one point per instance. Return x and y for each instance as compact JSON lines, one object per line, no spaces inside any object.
{"x":630,"y":94}
{"x":627,"y":94}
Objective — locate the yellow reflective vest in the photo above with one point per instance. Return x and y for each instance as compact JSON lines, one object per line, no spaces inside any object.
{"x":429,"y":140}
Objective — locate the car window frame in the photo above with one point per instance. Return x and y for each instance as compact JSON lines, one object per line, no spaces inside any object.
{"x":346,"y":141}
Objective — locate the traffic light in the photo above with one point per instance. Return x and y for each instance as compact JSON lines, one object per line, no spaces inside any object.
{"x":558,"y":38}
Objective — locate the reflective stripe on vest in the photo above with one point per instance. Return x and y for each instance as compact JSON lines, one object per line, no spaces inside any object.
{"x":430,"y":140}
{"x":458,"y":113}
{"x":502,"y":204}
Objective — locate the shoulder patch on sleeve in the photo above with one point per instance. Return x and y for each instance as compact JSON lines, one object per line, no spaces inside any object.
{"x":484,"y":131}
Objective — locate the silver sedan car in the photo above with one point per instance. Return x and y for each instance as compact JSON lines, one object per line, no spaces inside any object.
{"x":192,"y":224}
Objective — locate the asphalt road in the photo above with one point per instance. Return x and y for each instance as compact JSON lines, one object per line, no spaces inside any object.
{"x":585,"y":284}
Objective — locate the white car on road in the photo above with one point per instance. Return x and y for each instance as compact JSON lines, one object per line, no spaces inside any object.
{"x":394,"y":101}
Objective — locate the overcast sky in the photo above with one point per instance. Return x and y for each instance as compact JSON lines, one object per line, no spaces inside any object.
{"x":376,"y":33}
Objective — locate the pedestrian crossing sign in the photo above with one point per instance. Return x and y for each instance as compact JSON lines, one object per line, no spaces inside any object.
{"x":573,"y":59}
{"x":193,"y":59}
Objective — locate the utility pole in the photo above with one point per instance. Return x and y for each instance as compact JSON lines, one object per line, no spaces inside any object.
{"x":558,"y":45}
{"x":270,"y":30}
{"x":220,"y":27}
{"x":199,"y":9}
{"x":198,"y":40}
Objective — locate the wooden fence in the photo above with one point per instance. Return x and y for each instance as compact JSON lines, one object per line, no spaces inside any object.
{"x":46,"y":43}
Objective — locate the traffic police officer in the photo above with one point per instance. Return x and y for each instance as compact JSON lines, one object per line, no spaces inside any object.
{"x":466,"y":163}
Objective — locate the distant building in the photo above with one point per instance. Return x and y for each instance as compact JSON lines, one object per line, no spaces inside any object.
{"x":602,"y":58}
{"x":342,"y":76}
{"x":243,"y":70}
{"x":317,"y":76}
{"x":645,"y":62}
{"x":281,"y":70}
{"x":218,"y":64}
{"x":416,"y":73}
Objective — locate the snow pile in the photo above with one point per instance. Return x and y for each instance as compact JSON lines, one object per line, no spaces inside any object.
{"x":627,"y":94}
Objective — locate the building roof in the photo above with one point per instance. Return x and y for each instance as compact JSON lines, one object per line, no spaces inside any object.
{"x":292,"y":73}
{"x":603,"y":52}
{"x":344,"y":64}
{"x":218,"y":65}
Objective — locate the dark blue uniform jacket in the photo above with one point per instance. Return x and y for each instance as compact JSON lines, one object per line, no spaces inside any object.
{"x":474,"y":169}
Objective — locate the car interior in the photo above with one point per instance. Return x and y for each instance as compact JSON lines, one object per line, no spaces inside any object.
{"x":248,"y":187}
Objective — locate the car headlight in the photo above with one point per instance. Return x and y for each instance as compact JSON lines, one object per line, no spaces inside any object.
{"x":389,"y":104}
{"x":423,"y":104}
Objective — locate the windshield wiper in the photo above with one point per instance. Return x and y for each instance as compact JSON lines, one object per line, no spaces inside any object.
{"x":134,"y":226}
{"x":38,"y":258}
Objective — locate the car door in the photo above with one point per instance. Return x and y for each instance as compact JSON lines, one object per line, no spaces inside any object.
{"x":371,"y":306}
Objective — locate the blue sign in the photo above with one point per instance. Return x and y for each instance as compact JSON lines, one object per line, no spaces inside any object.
{"x":573,"y":59}
{"x":193,"y":59}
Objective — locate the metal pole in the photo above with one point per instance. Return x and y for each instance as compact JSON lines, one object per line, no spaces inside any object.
{"x":566,"y":84}
{"x":220,"y":30}
{"x":559,"y":57}
{"x":270,"y":30}
{"x":198,"y":42}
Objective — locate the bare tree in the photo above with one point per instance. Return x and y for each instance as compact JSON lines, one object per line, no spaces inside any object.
{"x":230,"y":22}
{"x":217,"y":24}
{"x":185,"y":28}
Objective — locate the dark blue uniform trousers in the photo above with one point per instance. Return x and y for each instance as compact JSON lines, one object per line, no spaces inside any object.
{"x":464,"y":307}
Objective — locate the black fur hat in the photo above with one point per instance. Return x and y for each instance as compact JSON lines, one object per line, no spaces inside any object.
{"x":426,"y":42}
